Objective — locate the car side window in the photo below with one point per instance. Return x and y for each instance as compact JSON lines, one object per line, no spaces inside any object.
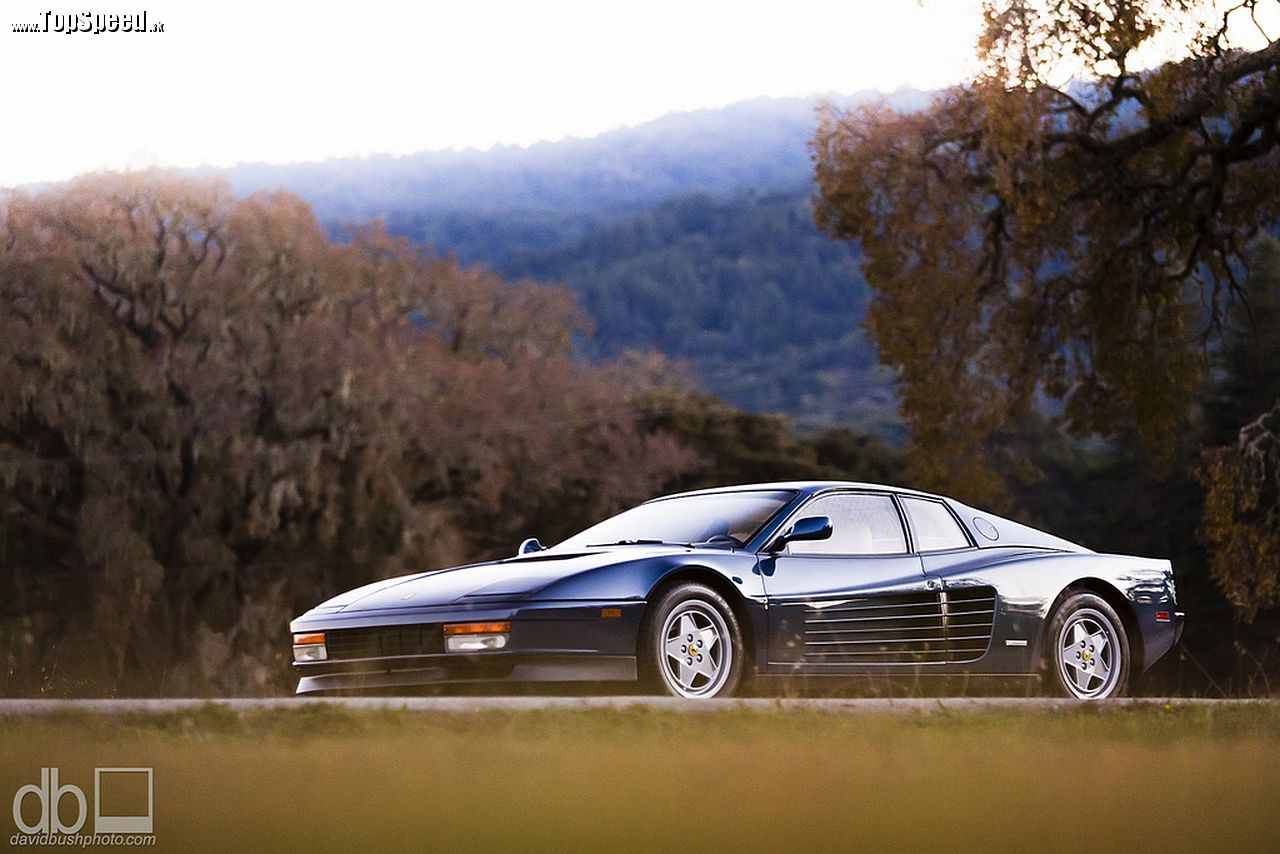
{"x":861,"y":524}
{"x":934,"y":527}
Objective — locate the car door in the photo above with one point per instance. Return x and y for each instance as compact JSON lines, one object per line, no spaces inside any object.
{"x":949,"y":557}
{"x":855,"y":602}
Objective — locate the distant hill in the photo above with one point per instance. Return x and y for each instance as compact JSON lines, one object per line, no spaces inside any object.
{"x":766,"y":308}
{"x":483,"y":204}
{"x":760,"y":144}
{"x":689,"y":234}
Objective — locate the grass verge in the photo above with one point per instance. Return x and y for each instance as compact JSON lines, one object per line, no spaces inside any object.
{"x":636,"y":778}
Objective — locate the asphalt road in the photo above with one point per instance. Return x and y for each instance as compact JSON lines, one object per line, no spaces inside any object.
{"x":469,"y":704}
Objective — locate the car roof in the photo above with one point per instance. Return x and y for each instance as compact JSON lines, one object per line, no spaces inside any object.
{"x":1011,"y":533}
{"x":808,"y":487}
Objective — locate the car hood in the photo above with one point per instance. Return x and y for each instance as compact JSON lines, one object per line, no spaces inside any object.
{"x":510,"y":579}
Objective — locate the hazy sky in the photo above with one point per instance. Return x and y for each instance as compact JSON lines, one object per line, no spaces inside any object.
{"x":278,"y":80}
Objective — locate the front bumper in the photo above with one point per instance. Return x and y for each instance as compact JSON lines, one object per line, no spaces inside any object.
{"x":493,"y":667}
{"x":550,"y":642}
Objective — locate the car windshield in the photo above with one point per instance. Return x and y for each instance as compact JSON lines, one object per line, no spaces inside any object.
{"x":716,"y":518}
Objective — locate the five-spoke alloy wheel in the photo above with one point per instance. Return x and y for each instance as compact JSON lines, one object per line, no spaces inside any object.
{"x":692,"y":646}
{"x":1089,"y":648}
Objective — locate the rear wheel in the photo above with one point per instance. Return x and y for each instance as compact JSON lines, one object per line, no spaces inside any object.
{"x":692,"y":645}
{"x":1089,"y":648}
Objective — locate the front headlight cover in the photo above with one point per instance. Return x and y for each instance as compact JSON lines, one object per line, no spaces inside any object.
{"x":309,"y":647}
{"x":476,"y":637}
{"x":476,"y":643}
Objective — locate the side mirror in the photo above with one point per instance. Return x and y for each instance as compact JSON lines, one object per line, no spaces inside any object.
{"x":529,"y":546}
{"x":808,"y":528}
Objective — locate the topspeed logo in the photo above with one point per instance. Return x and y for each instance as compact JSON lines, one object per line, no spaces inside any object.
{"x":38,"y":808}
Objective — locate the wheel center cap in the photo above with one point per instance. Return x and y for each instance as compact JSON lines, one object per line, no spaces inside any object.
{"x":1087,"y":656}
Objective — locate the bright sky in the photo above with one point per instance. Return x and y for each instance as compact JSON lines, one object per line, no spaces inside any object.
{"x":286,"y":80}
{"x":278,"y":80}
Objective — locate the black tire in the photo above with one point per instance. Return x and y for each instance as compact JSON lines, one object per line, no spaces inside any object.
{"x":1084,"y":640}
{"x":710,"y":617}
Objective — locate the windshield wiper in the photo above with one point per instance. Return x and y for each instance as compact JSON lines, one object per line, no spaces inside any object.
{"x":636,"y":543}
{"x":721,"y":540}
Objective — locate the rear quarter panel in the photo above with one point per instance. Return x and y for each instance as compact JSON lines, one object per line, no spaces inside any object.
{"x":1032,"y":582}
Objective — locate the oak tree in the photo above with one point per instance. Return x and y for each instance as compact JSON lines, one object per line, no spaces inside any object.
{"x":1070,"y":226}
{"x":212,"y":417}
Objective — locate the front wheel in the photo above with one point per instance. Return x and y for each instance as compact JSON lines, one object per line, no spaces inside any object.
{"x":1090,"y":649}
{"x":692,"y":645}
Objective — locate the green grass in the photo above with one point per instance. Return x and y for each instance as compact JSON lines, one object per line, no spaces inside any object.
{"x":319,"y":778}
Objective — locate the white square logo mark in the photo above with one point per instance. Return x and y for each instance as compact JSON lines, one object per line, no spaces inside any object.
{"x":121,"y":823}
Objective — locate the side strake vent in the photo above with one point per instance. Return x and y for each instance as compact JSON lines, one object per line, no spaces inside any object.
{"x":899,"y":629}
{"x":913,"y":628}
{"x":969,"y":613}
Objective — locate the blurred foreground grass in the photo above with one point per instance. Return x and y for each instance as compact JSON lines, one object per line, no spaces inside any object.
{"x":322,"y":778}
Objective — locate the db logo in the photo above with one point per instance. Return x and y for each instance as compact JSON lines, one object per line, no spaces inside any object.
{"x":51,"y":793}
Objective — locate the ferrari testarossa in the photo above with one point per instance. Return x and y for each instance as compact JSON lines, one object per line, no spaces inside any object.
{"x":696,"y":594}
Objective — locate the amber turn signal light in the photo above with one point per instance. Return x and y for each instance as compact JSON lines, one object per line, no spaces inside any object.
{"x":476,"y":637}
{"x":476,"y":629}
{"x":309,"y":647}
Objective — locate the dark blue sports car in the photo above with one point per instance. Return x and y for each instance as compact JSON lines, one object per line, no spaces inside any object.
{"x":693,"y":594}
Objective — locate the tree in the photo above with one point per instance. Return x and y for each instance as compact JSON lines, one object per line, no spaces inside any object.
{"x":1241,"y":475}
{"x":1246,"y":369}
{"x":1242,"y":515}
{"x":212,"y":417}
{"x":741,"y":447}
{"x":1031,"y":237}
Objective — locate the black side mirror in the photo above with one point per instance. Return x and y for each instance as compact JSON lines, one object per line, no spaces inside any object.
{"x":529,"y":546}
{"x":808,"y":528}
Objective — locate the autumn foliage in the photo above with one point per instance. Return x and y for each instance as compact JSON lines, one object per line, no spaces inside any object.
{"x":1040,"y":234}
{"x":1242,"y":515}
{"x":212,"y":416}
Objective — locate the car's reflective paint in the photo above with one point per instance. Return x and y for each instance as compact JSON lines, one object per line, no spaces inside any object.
{"x":558,"y":602}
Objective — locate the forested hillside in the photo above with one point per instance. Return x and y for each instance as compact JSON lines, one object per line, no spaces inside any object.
{"x":754,"y":144}
{"x":766,"y":308}
{"x":691,"y":235}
